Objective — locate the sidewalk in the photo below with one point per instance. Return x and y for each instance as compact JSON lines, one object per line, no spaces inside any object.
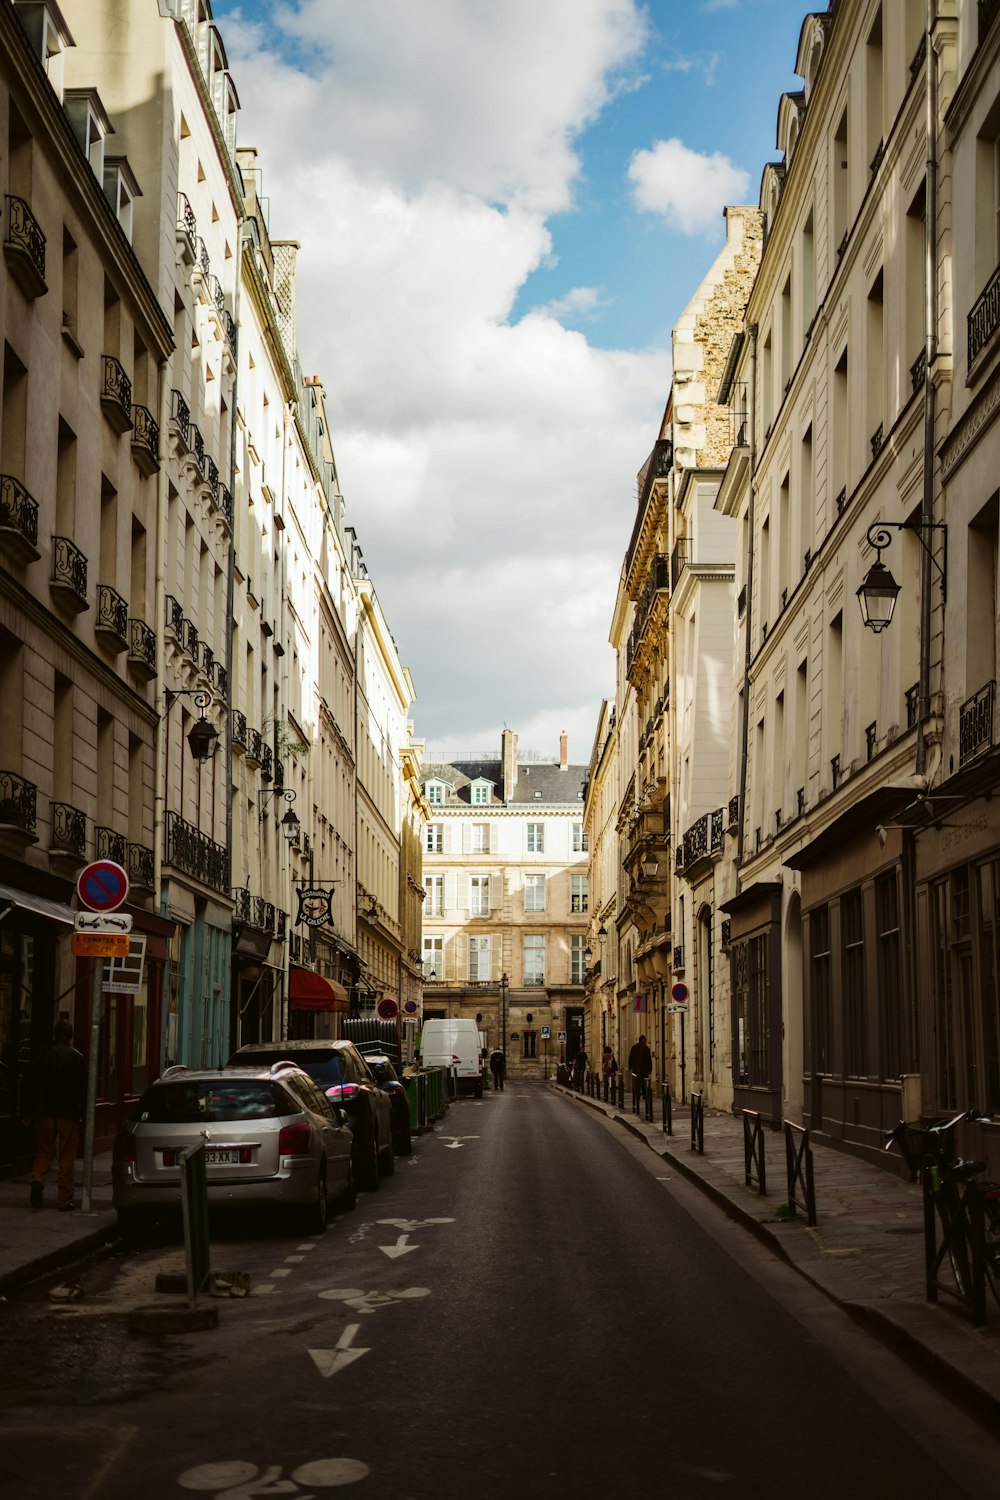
{"x":865,"y":1253}
{"x":33,"y":1241}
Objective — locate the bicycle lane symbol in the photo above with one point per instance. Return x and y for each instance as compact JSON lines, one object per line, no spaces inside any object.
{"x":244,"y":1481}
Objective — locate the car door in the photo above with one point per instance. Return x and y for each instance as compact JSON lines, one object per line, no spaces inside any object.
{"x":380,"y":1100}
{"x":336,"y":1137}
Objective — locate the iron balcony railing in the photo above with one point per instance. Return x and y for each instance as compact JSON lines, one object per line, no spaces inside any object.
{"x":918,"y":371}
{"x":254,"y":745}
{"x":241,"y":906}
{"x":212,"y":476}
{"x":69,"y":830}
{"x":69,"y":566}
{"x":204,"y":264}
{"x":196,"y":443}
{"x":112,"y":614}
{"x":18,"y":511}
{"x":229,"y":323}
{"x":185,"y":216}
{"x":140,"y":866}
{"x":266,"y":760}
{"x":222,"y":679}
{"x":18,"y":802}
{"x":975,"y":723}
{"x":224,"y":500}
{"x":175,"y":615}
{"x":280,"y":925}
{"x":718,"y":829}
{"x":180,"y":415}
{"x":734,"y":811}
{"x":696,"y":840}
{"x":912,"y":696}
{"x":295,"y":947}
{"x":116,"y":387}
{"x":207,"y":659}
{"x":216,"y":293}
{"x":190,"y":850}
{"x":239,"y":729}
{"x":677,"y":961}
{"x":24,"y":233}
{"x":263,"y":914}
{"x":111,"y":845}
{"x":678,"y":561}
{"x":984,"y":317}
{"x":189,"y":638}
{"x":145,"y":431}
{"x":142,"y":644}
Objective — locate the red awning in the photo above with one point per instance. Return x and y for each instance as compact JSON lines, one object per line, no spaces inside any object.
{"x":309,"y":991}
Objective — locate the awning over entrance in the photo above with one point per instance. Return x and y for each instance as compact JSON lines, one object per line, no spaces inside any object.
{"x":37,"y":906}
{"x":309,"y":991}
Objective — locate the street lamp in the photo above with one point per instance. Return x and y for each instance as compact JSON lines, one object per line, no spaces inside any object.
{"x":289,"y":823}
{"x":504,"y":986}
{"x":879,"y":590}
{"x":203,"y":736}
{"x":650,"y":864}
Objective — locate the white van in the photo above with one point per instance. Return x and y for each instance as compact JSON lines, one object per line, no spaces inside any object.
{"x":454,"y":1043}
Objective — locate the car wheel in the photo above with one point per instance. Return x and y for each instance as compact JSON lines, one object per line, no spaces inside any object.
{"x":479,"y":1089}
{"x":318,"y":1212}
{"x":349,"y":1197}
{"x":389,"y":1161}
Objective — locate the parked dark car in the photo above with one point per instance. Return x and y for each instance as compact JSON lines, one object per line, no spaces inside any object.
{"x":347,"y":1081}
{"x":272,"y":1140}
{"x":389,"y":1080}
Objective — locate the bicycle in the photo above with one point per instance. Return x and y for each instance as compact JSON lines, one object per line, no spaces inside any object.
{"x":967,"y":1207}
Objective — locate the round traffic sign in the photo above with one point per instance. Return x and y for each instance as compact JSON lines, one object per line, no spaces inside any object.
{"x":679,"y":992}
{"x":410,"y":1007}
{"x":388,"y":1010}
{"x":102,"y":886}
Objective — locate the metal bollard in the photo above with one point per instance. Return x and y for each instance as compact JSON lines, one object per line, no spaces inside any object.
{"x":668,"y":1111}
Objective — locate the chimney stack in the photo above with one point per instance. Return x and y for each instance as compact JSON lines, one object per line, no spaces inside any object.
{"x":508,"y":757}
{"x":563,"y":753}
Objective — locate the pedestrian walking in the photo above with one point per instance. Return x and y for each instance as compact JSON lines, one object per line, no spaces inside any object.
{"x":609,"y":1068}
{"x":498,"y":1067}
{"x":579,"y":1069}
{"x":57,"y":1092}
{"x":640,"y":1065}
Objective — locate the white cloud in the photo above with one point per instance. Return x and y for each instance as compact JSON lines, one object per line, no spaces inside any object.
{"x":687,"y":188}
{"x":415,"y":149}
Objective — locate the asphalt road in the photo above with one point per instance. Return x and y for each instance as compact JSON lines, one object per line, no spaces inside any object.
{"x":531,"y":1307}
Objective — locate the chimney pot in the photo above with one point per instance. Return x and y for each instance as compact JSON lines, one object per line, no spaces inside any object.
{"x":563,"y":752}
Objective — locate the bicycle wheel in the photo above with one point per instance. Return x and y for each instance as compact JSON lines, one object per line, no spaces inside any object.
{"x":950,"y":1217}
{"x":991,"y":1224}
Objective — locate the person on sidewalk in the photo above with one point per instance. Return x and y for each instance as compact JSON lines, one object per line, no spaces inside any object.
{"x":579,"y":1070}
{"x":498,"y":1067}
{"x":58,"y":1095}
{"x":609,"y":1070}
{"x":640,"y":1065}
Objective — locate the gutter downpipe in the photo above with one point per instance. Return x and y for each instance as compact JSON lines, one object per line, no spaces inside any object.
{"x":748,"y":617}
{"x":159,"y":607}
{"x":930,"y":346}
{"x":283,"y":711}
{"x":227,"y":738}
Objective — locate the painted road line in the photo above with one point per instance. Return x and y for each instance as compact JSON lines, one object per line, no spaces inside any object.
{"x":329,"y":1361}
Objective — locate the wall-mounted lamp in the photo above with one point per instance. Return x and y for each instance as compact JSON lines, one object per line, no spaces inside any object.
{"x":650,"y":865}
{"x":588,"y":954}
{"x":203,"y":737}
{"x":289,"y":823}
{"x":879,"y":590}
{"x":602,"y":933}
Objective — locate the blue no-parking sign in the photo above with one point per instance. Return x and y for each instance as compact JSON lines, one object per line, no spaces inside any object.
{"x":102,"y":886}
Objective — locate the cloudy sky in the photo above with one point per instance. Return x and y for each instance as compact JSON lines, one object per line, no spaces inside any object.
{"x":503,"y":205}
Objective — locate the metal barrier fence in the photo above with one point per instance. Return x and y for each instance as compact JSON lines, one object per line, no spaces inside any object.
{"x":698,"y":1123}
{"x":754,"y":1168}
{"x":621,"y":1091}
{"x":668,"y":1109}
{"x":426,"y":1096}
{"x":194,"y":1210}
{"x":799,"y":1167}
{"x":957,"y":1207}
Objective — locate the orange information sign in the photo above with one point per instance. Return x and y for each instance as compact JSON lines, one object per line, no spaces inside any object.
{"x":100,"y":944}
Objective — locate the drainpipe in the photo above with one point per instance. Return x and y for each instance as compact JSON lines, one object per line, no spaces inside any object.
{"x":930,"y":346}
{"x":283,"y":712}
{"x":748,"y":615}
{"x":227,"y":735}
{"x":159,"y":608}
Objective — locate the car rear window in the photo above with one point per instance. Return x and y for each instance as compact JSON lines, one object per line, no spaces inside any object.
{"x":323,"y":1068}
{"x":192,"y":1101}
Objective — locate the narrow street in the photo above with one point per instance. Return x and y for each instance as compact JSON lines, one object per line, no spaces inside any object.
{"x":532,"y":1306}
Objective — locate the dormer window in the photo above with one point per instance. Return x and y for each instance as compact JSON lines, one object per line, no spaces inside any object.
{"x":435,"y":791}
{"x":91,"y":125}
{"x":121,"y":190}
{"x":49,"y":36}
{"x":480,"y":793}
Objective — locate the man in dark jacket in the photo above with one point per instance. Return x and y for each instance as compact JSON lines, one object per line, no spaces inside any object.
{"x":498,"y":1067}
{"x":640,"y":1065}
{"x":59,"y":1092}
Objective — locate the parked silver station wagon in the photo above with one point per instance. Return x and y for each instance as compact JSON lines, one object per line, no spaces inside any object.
{"x":273,"y":1141}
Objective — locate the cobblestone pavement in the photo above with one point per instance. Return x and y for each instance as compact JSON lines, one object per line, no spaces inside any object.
{"x":865,"y":1253}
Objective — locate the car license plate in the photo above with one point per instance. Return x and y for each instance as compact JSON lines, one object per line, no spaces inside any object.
{"x":222,"y":1158}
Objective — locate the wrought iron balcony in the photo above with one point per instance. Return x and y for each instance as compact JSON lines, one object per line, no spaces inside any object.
{"x":295,"y":947}
{"x":221,"y":679}
{"x":189,"y":638}
{"x":266,"y":760}
{"x":918,"y":371}
{"x":696,"y":840}
{"x":111,"y":845}
{"x":229,"y":323}
{"x":142,"y":649}
{"x":116,"y":394}
{"x":18,"y":520}
{"x":239,"y":729}
{"x":835,"y":771}
{"x":255,"y":748}
{"x":190,"y":850}
{"x":18,"y":804}
{"x":196,"y":445}
{"x":871,"y":739}
{"x":112,"y":617}
{"x":145,"y":440}
{"x":877,"y":440}
{"x":180,"y":416}
{"x":984,"y":319}
{"x":212,"y":477}
{"x":718,"y":829}
{"x":678,"y":561}
{"x":224,"y":500}
{"x":678,"y":958}
{"x":207,"y":660}
{"x":204,"y":264}
{"x":216,"y":293}
{"x":175,"y":616}
{"x":69,"y":573}
{"x":263,"y":914}
{"x":912,"y":696}
{"x":726,"y":932}
{"x":186,"y":220}
{"x":140,"y":866}
{"x":69,"y":831}
{"x":24,"y":248}
{"x":741,"y":603}
{"x":280,"y":925}
{"x":975,"y":724}
{"x":734,"y":811}
{"x":242,"y":904}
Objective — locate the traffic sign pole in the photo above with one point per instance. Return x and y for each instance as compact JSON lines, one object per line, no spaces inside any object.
{"x":96,"y":1006}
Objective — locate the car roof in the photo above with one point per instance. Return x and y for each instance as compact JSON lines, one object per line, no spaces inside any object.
{"x":379,"y":1057}
{"x":306,"y":1045}
{"x":181,"y":1074}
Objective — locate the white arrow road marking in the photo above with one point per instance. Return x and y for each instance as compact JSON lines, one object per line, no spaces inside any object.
{"x":329,"y":1361}
{"x":369,"y":1302}
{"x":455,"y":1142}
{"x":399,"y":1248}
{"x":410,"y":1224}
